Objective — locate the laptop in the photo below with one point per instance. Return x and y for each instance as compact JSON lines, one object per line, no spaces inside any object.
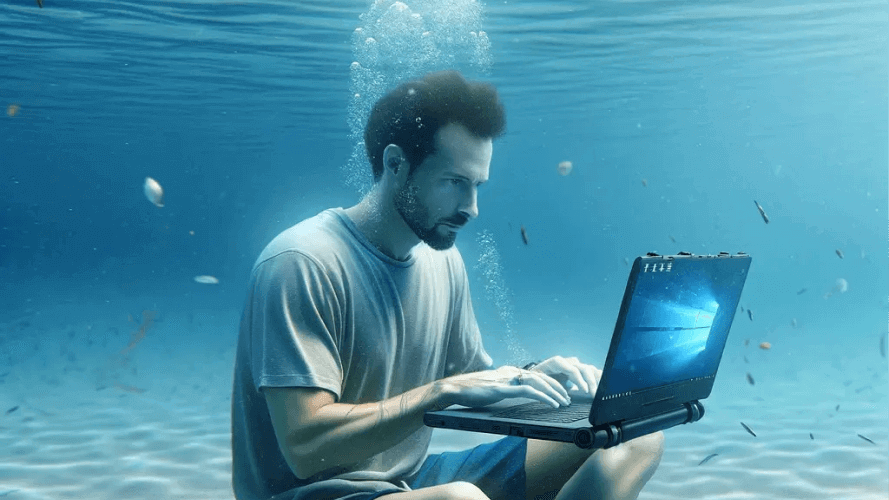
{"x":667,"y":343}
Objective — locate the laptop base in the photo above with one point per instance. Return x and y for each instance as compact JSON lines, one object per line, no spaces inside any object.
{"x":600,"y":437}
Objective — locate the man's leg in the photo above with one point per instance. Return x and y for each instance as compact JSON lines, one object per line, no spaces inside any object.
{"x":618,"y":473}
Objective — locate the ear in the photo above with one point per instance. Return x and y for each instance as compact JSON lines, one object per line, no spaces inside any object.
{"x":393,"y":158}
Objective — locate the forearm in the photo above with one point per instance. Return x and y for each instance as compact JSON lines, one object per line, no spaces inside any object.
{"x":343,"y":434}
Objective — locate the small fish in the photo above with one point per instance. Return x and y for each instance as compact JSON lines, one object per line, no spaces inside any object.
{"x":524,"y":234}
{"x":761,"y":212}
{"x":812,"y":436}
{"x":746,"y":342}
{"x":626,"y":261}
{"x":707,"y":458}
{"x":793,"y":323}
{"x":748,"y":429}
{"x":14,"y":408}
{"x":862,"y":389}
{"x":750,"y":314}
{"x":40,"y":3}
{"x":883,"y":345}
{"x":742,"y":308}
{"x":839,"y":253}
{"x":746,"y":360}
{"x":206,"y":279}
{"x":837,"y":408}
{"x":866,"y":439}
{"x":672,"y":238}
{"x":129,"y":388}
{"x":750,"y":379}
{"x":644,"y":183}
{"x":802,"y":291}
{"x":154,"y":192}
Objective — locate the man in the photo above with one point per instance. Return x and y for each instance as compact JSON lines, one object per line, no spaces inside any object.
{"x":359,"y":320}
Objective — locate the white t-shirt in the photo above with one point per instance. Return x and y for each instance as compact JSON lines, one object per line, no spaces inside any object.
{"x":327,"y":309}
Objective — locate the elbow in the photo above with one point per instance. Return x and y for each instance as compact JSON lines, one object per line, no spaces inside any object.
{"x":306,"y":459}
{"x":302,"y":463}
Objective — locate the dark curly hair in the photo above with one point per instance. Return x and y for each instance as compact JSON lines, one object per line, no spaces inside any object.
{"x":411,"y":114}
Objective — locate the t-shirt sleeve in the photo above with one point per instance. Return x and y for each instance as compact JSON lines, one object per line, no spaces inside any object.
{"x":294,"y":325}
{"x":466,"y":353}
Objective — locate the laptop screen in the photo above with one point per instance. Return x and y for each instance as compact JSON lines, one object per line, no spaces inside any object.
{"x":677,"y":321}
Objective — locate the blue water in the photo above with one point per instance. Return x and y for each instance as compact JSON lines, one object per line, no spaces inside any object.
{"x":676,"y":116}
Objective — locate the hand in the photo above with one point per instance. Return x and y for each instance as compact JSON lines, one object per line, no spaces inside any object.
{"x":490,"y":386}
{"x":584,"y":377}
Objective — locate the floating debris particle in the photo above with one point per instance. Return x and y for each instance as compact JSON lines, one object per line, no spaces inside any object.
{"x":742,"y":308}
{"x":139,"y":334}
{"x":841,"y":286}
{"x":839,"y":253}
{"x":707,"y":458}
{"x":883,"y":345}
{"x":644,"y":183}
{"x":154,"y":192}
{"x":793,"y":323}
{"x":524,"y":234}
{"x":837,"y":408}
{"x":14,"y":408}
{"x":129,"y":388}
{"x":750,"y":379}
{"x":765,"y":346}
{"x":862,"y":389}
{"x":672,"y":238}
{"x":748,"y":429}
{"x":750,"y":314}
{"x":206,"y":279}
{"x":812,"y":436}
{"x":746,"y":360}
{"x":12,"y":110}
{"x":746,"y":342}
{"x":866,"y":439}
{"x":565,"y":167}
{"x":626,"y":261}
{"x":801,"y":291}
{"x":761,"y":212}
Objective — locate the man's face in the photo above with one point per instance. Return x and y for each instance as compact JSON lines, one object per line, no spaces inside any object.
{"x":440,"y":196}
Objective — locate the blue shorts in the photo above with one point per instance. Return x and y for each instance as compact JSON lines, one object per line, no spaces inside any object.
{"x":497,"y":468}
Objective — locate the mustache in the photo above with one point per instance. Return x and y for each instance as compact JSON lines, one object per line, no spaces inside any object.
{"x":459,"y":222}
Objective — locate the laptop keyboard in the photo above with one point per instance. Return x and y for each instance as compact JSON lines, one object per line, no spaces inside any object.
{"x":546,"y":413}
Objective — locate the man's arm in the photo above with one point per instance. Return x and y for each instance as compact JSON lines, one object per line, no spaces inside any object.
{"x":315,"y":434}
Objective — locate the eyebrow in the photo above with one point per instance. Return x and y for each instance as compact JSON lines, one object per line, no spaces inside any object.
{"x":467,"y":179}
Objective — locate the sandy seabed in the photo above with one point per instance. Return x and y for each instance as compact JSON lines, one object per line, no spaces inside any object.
{"x":87,"y":413}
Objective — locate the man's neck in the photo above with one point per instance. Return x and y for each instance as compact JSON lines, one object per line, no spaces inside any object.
{"x":381,"y":225}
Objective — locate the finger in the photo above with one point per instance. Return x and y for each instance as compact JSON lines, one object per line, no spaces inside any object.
{"x":527,"y":391}
{"x":576,"y":376}
{"x":556,"y":381}
{"x":591,"y":375}
{"x":548,"y":386}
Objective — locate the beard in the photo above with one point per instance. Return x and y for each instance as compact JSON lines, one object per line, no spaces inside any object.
{"x":416,"y":216}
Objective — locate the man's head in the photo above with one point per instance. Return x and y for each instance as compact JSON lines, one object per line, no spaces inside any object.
{"x":432,"y":141}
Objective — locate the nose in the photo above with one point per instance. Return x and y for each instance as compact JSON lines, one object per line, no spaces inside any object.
{"x":469,"y":209}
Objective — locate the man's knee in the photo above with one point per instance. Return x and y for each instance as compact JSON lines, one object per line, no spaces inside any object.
{"x":461,"y":490}
{"x":458,"y":490}
{"x":650,"y":446}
